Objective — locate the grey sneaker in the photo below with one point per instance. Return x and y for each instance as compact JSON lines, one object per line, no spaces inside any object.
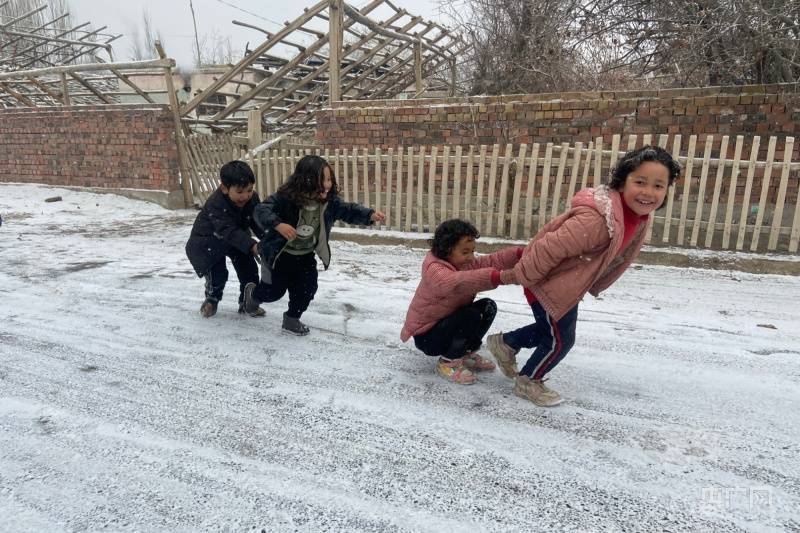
{"x":535,"y":391}
{"x":294,"y":326}
{"x":209,"y":307}
{"x":505,"y":355}
{"x":250,"y":304}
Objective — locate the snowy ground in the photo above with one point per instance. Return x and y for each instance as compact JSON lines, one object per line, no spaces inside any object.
{"x":122,"y":409}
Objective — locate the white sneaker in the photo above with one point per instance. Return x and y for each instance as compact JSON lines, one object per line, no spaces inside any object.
{"x":505,"y":355}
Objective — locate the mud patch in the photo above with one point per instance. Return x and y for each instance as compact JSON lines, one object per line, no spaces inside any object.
{"x":85,"y":265}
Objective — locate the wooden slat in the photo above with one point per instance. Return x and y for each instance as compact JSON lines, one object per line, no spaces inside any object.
{"x":777,"y":217}
{"x":277,"y":176}
{"x":398,"y":201}
{"x":529,"y":191}
{"x":445,"y":185}
{"x":346,"y":175}
{"x":719,"y":176}
{"x":285,"y":165}
{"x":492,"y":185}
{"x":576,"y":168}
{"x":737,"y":156}
{"x":548,"y":156}
{"x":748,"y":192}
{"x":431,"y":186}
{"x":468,"y":186}
{"x":698,"y":213}
{"x":389,"y":179}
{"x":503,"y":202}
{"x":365,"y":197}
{"x":687,"y":185}
{"x":662,"y":142}
{"x":378,"y":167}
{"x":794,"y":236}
{"x":479,"y":195}
{"x":587,"y":165}
{"x":354,"y":174}
{"x":562,"y":165}
{"x":420,"y":190}
{"x":517,"y":195}
{"x":676,"y":152}
{"x":762,"y":202}
{"x":615,"y":140}
{"x":409,"y":187}
{"x":598,"y":162}
{"x":457,"y":184}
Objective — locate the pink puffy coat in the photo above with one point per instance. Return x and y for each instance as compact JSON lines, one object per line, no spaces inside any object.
{"x":443,"y":289}
{"x":577,"y":252}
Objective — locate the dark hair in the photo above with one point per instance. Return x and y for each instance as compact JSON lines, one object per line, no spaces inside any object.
{"x":305,"y":183}
{"x":634,"y":158}
{"x":236,"y":174}
{"x":447,"y":235}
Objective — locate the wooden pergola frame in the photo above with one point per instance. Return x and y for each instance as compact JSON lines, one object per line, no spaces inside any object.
{"x":382,"y":60}
{"x":24,"y":46}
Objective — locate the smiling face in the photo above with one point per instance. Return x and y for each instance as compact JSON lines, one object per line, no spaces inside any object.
{"x":463,"y":252}
{"x":239,"y":195}
{"x":327,"y":182}
{"x":646,"y":187}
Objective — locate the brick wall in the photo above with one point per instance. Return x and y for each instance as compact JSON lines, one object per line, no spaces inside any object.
{"x":120,"y":146}
{"x":564,"y":117}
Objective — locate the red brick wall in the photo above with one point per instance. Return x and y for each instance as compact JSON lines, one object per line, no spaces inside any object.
{"x":120,"y":146}
{"x":564,"y":117}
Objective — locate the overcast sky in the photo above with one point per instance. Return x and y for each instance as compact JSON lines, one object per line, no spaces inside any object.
{"x":174,"y":20}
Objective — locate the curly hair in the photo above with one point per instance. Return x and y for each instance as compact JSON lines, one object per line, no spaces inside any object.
{"x":447,"y":235}
{"x":305,"y":183}
{"x":631,"y":161}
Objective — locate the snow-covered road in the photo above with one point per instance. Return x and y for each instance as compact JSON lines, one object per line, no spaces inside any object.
{"x":122,"y":409}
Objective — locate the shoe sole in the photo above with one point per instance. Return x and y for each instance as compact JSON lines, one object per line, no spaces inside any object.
{"x":296,"y":334}
{"x":535,"y":402}
{"x":447,"y":379}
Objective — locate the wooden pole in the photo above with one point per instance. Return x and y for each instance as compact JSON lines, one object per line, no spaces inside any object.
{"x":176,"y":117}
{"x":335,"y":36}
{"x":418,"y":88}
{"x":253,"y":128}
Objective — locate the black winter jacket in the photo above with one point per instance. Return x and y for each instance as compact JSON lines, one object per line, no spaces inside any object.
{"x":218,"y":226}
{"x":279,"y":208}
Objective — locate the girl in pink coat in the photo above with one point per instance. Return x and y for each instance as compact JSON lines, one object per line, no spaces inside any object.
{"x":443,"y":318}
{"x":583,"y":250}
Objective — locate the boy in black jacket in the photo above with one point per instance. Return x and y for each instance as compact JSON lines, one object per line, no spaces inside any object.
{"x":222,"y":229}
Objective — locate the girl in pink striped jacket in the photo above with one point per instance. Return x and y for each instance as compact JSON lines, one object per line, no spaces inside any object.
{"x":443,"y":318}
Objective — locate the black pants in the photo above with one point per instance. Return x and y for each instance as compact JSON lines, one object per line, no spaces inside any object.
{"x":246,"y":270}
{"x":296,"y":274}
{"x":456,"y":335}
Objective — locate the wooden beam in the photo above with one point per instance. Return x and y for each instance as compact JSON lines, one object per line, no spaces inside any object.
{"x":335,"y":37}
{"x":91,"y":88}
{"x":88,"y":67}
{"x":188,"y":199}
{"x":65,"y":89}
{"x":20,"y":97}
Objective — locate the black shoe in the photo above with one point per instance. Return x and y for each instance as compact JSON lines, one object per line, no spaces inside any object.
{"x":294,"y":326}
{"x":249,"y":303}
{"x":209,"y":307}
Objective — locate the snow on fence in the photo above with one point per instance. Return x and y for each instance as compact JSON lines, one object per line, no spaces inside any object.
{"x":741,"y":203}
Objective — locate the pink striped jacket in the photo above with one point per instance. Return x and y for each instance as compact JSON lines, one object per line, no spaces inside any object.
{"x":443,"y":289}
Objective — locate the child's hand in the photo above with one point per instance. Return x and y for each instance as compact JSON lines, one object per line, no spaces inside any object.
{"x":378,"y":216}
{"x":288,"y":232}
{"x":254,"y":249}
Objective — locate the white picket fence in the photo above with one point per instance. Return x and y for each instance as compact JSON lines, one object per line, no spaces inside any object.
{"x":511,"y":192}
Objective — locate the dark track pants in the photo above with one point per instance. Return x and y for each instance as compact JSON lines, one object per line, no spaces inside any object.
{"x":246,"y":270}
{"x":552,"y":340}
{"x":296,"y":274}
{"x":456,"y":335}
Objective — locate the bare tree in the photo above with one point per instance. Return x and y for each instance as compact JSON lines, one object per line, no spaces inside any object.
{"x":143,"y":45}
{"x":559,"y":45}
{"x":215,"y":49}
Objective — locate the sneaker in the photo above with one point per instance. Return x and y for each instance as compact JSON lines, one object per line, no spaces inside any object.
{"x":535,"y":391}
{"x":249,"y":303}
{"x":505,"y":355}
{"x":209,"y":307}
{"x":453,"y":370}
{"x":258,"y":312}
{"x":294,"y":326}
{"x":475,"y":362}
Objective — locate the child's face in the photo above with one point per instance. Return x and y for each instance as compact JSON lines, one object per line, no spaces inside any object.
{"x":327,"y":183}
{"x":646,"y":187}
{"x":463,"y":252}
{"x":239,"y":195}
